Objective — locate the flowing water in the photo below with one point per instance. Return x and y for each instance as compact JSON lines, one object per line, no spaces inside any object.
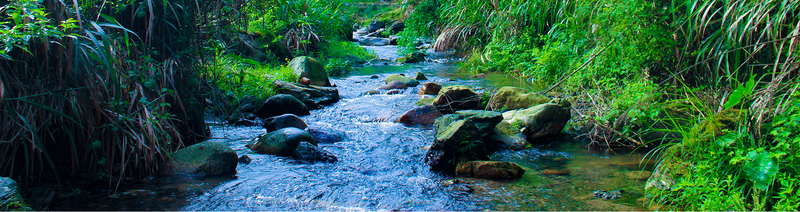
{"x":380,"y":165}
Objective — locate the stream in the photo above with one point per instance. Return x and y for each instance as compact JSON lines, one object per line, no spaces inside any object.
{"x":380,"y":164}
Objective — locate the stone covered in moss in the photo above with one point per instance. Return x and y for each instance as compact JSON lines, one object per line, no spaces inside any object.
{"x":404,"y":79}
{"x":203,"y":159}
{"x":310,"y":68}
{"x":512,"y":98}
{"x":281,"y":142}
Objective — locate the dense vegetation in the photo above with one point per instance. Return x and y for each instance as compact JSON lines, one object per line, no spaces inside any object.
{"x":108,"y":89}
{"x":714,"y":83}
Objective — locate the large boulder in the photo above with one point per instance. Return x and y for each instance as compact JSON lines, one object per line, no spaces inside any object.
{"x":282,"y":104}
{"x":490,"y":170}
{"x":310,"y":68}
{"x":506,"y":136}
{"x":406,"y":80}
{"x":424,"y":115}
{"x":312,"y":153}
{"x":430,"y":88}
{"x":10,"y":198}
{"x":281,"y":142}
{"x":459,"y":141}
{"x":512,"y":98}
{"x":203,"y":159}
{"x":414,"y":57}
{"x":284,"y":121}
{"x":541,"y":120}
{"x":484,"y":120}
{"x":455,"y":98}
{"x":314,"y":97}
{"x":375,"y":25}
{"x":249,"y":104}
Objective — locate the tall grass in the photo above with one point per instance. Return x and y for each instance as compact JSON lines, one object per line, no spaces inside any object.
{"x":107,"y":96}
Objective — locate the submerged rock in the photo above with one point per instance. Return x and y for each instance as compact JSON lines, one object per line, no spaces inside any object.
{"x":490,"y":170}
{"x":312,"y":153}
{"x":282,"y":104}
{"x":284,"y":121}
{"x":424,"y":115}
{"x":314,"y":97}
{"x":203,"y":159}
{"x":281,"y":142}
{"x":311,"y":69}
{"x":455,"y":98}
{"x":325,"y":134}
{"x":10,"y":198}
{"x":430,"y":88}
{"x":541,"y":120}
{"x":512,"y":98}
{"x":404,"y":79}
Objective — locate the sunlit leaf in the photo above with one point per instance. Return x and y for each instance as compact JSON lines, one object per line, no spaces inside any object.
{"x":760,"y":168}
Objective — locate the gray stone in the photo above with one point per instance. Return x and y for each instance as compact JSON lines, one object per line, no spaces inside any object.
{"x":458,"y":142}
{"x":203,"y":159}
{"x":506,"y":136}
{"x":484,"y":120}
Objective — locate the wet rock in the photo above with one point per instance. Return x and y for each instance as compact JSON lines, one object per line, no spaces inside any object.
{"x":430,"y":88}
{"x":484,"y":120}
{"x":374,"y":77}
{"x":393,"y":39}
{"x":414,"y":57}
{"x":305,"y":81}
{"x":244,"y":159}
{"x":10,"y":198}
{"x":425,"y":115}
{"x":541,"y":120}
{"x":282,"y":104}
{"x":394,"y":85}
{"x":490,"y":170}
{"x":281,"y":142}
{"x":372,"y":92}
{"x":312,"y":153}
{"x":325,"y":134}
{"x":310,"y":68}
{"x":203,"y":159}
{"x":375,"y":25}
{"x":394,"y":91}
{"x":420,"y":76}
{"x":425,"y":101}
{"x":506,"y":136}
{"x":455,"y":98}
{"x":245,"y":122}
{"x":379,"y":61}
{"x":249,"y":104}
{"x":406,"y":80}
{"x":314,"y":97}
{"x":512,"y":98}
{"x":284,"y":121}
{"x":459,"y":141}
{"x":639,"y":175}
{"x":374,"y":41}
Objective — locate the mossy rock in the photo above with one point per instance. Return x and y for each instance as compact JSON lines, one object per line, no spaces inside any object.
{"x":512,"y":98}
{"x":310,"y":68}
{"x":455,"y":98}
{"x":406,"y":80}
{"x":414,"y":57}
{"x":425,"y":101}
{"x":541,"y":120}
{"x":203,"y":159}
{"x":458,"y":141}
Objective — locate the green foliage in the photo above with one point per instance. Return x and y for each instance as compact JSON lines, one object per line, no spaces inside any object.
{"x":339,"y":57}
{"x":246,"y":77}
{"x":28,"y":22}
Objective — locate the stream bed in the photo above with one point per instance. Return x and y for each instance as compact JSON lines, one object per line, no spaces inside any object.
{"x":380,"y":165}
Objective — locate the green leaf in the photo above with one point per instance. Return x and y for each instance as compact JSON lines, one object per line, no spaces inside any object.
{"x":741,"y":92}
{"x":728,"y":139}
{"x":760,"y":168}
